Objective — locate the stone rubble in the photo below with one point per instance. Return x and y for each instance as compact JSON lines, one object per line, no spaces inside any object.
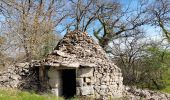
{"x":21,"y":76}
{"x":144,"y":94}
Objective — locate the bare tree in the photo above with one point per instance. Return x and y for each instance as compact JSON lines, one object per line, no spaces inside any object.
{"x":128,"y":53}
{"x":29,"y":23}
{"x":121,"y":24}
{"x":111,"y":18}
{"x":159,"y":11}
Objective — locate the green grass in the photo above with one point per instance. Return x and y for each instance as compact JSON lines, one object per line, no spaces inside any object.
{"x":167,"y":88}
{"x":13,"y":94}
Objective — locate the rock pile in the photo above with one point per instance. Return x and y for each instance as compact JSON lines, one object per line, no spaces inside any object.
{"x":21,"y":76}
{"x":144,"y":94}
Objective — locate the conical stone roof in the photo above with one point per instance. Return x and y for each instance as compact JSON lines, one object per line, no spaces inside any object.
{"x":77,"y":49}
{"x":77,"y":46}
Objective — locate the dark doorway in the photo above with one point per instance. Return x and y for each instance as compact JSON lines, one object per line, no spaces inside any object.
{"x":69,"y":82}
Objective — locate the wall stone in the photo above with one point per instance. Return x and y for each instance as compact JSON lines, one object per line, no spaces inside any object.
{"x":86,"y":90}
{"x":55,"y":81}
{"x":22,"y":76}
{"x":79,"y":82}
{"x":85,"y":72}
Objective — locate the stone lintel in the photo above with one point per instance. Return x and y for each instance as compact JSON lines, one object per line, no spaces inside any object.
{"x":85,"y":72}
{"x":90,"y":65}
{"x":52,"y":64}
{"x":70,"y":65}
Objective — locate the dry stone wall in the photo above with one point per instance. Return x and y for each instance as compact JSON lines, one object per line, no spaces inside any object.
{"x":81,"y":51}
{"x":85,"y":82}
{"x":21,"y":76}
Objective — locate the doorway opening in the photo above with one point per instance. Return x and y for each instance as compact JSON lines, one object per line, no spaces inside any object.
{"x":69,"y":82}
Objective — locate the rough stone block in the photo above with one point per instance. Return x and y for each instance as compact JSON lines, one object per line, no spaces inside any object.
{"x":98,"y":75}
{"x":54,"y":83}
{"x":86,"y":90}
{"x":93,"y":80}
{"x":77,"y":90}
{"x":79,"y":81}
{"x":88,"y":65}
{"x":85,"y":72}
{"x":55,"y":64}
{"x":53,"y":73}
{"x":54,"y":77}
{"x":60,"y":53}
{"x":88,"y":79}
{"x":71,"y":65}
{"x":103,"y":87}
{"x":22,"y":64}
{"x":107,"y":78}
{"x":55,"y":91}
{"x":16,"y":77}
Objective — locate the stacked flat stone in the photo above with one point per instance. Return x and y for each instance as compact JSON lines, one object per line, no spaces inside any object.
{"x":132,"y":93}
{"x":77,"y":49}
{"x":21,"y":76}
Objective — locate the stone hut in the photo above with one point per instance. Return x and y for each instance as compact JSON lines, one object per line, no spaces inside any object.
{"x":79,"y":66}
